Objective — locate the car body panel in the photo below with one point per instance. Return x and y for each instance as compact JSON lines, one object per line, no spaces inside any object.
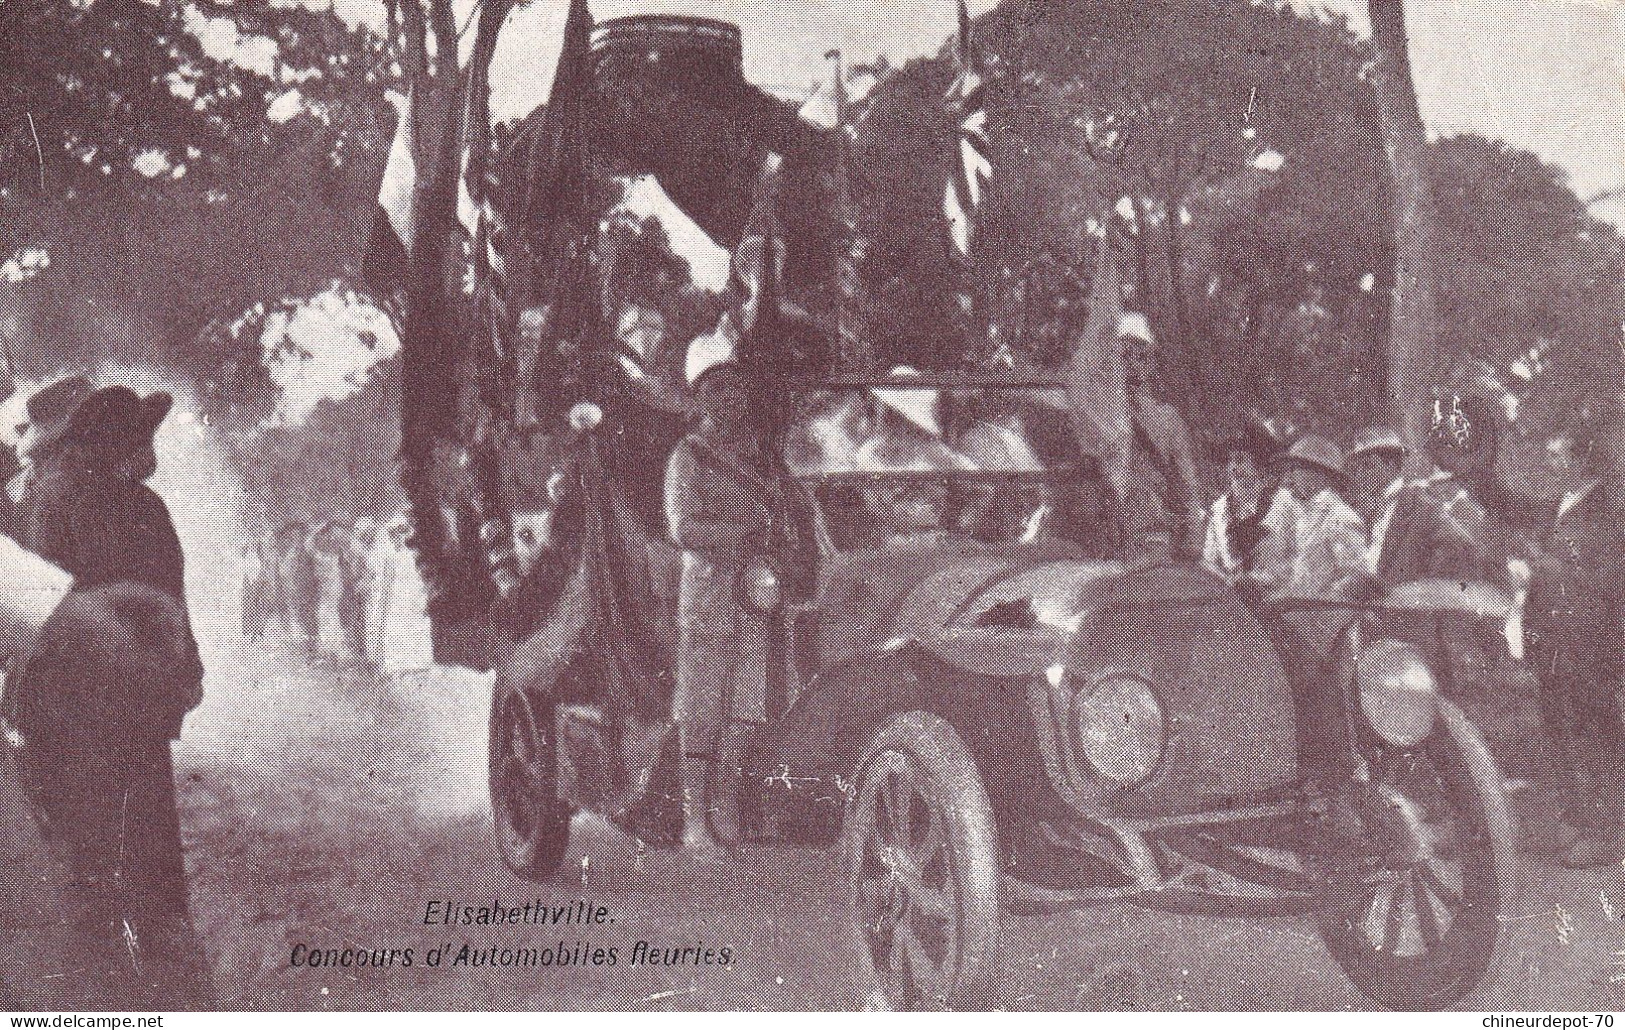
{"x":968,"y":630}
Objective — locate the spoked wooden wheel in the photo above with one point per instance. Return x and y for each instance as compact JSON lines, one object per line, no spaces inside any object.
{"x":921,"y":851}
{"x":532,"y":824}
{"x":1420,"y":929}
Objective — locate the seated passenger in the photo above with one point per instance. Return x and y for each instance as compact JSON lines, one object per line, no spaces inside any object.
{"x":1252,"y":529}
{"x":1331,"y":536}
{"x":910,"y":513}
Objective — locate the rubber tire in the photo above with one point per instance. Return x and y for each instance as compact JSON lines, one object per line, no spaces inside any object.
{"x":937,"y":754}
{"x":1455,"y":968}
{"x":532,"y":829}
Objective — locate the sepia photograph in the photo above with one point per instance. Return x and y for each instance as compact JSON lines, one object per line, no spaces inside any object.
{"x":812,"y":505}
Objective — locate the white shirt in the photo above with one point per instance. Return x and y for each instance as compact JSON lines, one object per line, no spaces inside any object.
{"x":1275,"y":549}
{"x":1331,"y":544}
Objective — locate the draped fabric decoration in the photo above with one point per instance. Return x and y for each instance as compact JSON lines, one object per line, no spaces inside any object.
{"x":972,"y":166}
{"x":492,"y":316}
{"x":538,"y":234}
{"x":626,"y":564}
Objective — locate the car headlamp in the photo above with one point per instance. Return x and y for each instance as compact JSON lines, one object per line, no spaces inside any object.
{"x":762,"y":588}
{"x":1397,"y":692}
{"x":1119,"y":730}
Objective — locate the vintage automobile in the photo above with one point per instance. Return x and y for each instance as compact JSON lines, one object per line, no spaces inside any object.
{"x":990,"y":713}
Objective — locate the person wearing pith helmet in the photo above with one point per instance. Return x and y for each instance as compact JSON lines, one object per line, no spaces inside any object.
{"x":720,"y":512}
{"x":1331,"y":535}
{"x":1376,"y":465}
{"x":1414,"y":535}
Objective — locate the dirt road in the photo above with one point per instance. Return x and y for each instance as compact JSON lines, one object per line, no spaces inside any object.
{"x":326,"y":810}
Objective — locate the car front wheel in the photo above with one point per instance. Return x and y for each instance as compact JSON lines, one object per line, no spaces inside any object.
{"x":1420,"y":926}
{"x":922,"y":855}
{"x":532,"y":822}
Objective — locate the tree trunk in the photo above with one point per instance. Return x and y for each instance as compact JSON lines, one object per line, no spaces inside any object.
{"x":1411,"y":353}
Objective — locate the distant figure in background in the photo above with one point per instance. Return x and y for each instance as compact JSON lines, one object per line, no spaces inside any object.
{"x":399,"y":637}
{"x":327,"y":544}
{"x":297,"y":573}
{"x":97,"y":754}
{"x":357,"y":585}
{"x":256,"y":596}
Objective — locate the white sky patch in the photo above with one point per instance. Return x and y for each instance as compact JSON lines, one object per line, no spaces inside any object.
{"x":151,"y":163}
{"x":221,"y":41}
{"x":25,"y":264}
{"x":291,"y":75}
{"x":324,"y":348}
{"x":285,"y":108}
{"x":181,"y":86}
{"x":355,"y":14}
{"x":707,"y":262}
{"x":1368,"y":283}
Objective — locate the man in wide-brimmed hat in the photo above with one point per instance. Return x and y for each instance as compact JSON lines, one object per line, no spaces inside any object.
{"x":39,"y":438}
{"x":1331,"y":535}
{"x":49,"y":410}
{"x":97,"y":754}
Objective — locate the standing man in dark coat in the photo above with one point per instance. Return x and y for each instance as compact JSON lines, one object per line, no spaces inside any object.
{"x":1576,"y":623}
{"x":97,"y":751}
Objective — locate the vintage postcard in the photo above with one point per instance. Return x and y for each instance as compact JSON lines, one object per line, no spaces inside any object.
{"x":634,"y":505}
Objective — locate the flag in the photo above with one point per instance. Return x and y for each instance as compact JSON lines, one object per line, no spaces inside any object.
{"x":400,"y":173}
{"x":387,"y":259}
{"x":389,"y":245}
{"x":971,"y":166}
{"x":556,"y":172}
{"x":554,"y":226}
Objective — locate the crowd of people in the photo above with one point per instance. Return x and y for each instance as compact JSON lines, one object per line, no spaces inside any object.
{"x":347,"y":590}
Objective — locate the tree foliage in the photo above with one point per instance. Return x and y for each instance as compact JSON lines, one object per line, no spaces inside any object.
{"x":1159,"y":123}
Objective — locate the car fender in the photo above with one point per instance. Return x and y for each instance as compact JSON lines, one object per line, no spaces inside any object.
{"x":813,"y":753}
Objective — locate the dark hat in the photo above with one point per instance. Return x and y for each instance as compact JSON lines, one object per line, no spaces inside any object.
{"x":116,"y":420}
{"x":1264,"y":438}
{"x":56,"y":401}
{"x":51,"y":409}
